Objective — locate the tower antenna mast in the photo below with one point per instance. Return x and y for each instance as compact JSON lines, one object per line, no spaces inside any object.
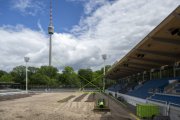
{"x":50,"y":32}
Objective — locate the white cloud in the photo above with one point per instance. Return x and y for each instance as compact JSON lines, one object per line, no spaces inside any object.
{"x":28,"y":7}
{"x":67,"y":50}
{"x":112,"y":28}
{"x":40,"y":26}
{"x":92,"y":5}
{"x":120,"y":25}
{"x":18,"y":42}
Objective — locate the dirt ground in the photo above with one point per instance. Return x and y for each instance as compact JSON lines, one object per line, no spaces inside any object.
{"x":59,"y":106}
{"x":15,"y":96}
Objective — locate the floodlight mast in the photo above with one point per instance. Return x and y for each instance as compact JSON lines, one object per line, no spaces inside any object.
{"x":104,"y":57}
{"x":26,"y":59}
{"x":50,"y":32}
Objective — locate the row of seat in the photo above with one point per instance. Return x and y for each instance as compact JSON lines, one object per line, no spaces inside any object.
{"x":122,"y":88}
{"x":165,"y":97}
{"x":149,"y":89}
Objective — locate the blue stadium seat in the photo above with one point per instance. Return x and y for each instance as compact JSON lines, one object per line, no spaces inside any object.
{"x":168,"y":98}
{"x":143,"y":91}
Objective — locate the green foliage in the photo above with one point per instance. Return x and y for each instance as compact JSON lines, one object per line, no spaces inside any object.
{"x":69,"y":77}
{"x":62,"y":79}
{"x":85,"y":76}
{"x":2,"y":73}
{"x":68,"y":70}
{"x":49,"y":71}
{"x":39,"y":79}
{"x":98,"y":77}
{"x":49,"y":76}
{"x":32,"y":70}
{"x":19,"y":74}
{"x":6,"y":78}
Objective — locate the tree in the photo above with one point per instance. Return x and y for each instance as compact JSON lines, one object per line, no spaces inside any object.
{"x":39,"y":79}
{"x":85,"y":76}
{"x":48,"y":75}
{"x":18,"y":74}
{"x":61,"y":79}
{"x":97,"y":78}
{"x":32,"y":70}
{"x":69,"y":77}
{"x":2,"y":73}
{"x":49,"y":71}
{"x":6,"y":78}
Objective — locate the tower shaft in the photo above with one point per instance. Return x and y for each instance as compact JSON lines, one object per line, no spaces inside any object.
{"x":50,"y":49}
{"x":50,"y":32}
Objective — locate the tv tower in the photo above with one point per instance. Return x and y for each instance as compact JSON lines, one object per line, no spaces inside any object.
{"x":50,"y":32}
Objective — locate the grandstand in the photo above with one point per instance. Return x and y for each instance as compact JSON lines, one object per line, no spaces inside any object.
{"x":150,"y":72}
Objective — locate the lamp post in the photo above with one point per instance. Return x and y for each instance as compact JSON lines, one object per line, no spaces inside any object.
{"x":26,"y":59}
{"x":104,"y":57}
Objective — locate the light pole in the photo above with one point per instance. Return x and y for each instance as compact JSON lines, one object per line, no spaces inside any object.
{"x":104,"y":57}
{"x":26,"y":59}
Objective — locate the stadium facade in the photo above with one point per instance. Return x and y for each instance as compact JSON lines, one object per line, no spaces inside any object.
{"x":150,"y":72}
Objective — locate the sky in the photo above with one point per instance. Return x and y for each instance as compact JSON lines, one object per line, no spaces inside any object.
{"x":84,"y":30}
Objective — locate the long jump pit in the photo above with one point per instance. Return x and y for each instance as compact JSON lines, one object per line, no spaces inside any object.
{"x":59,"y":106}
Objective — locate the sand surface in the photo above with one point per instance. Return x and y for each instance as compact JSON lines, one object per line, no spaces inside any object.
{"x":58,"y":106}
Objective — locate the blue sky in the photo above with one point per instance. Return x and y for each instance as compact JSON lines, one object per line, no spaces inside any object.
{"x":65,"y":14}
{"x":84,"y":30}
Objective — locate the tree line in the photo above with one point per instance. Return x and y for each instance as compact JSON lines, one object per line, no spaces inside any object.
{"x":50,"y":76}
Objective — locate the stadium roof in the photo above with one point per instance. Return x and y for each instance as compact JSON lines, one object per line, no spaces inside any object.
{"x":160,"y":47}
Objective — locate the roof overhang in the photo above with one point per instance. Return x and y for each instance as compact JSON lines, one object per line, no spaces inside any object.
{"x":160,"y":47}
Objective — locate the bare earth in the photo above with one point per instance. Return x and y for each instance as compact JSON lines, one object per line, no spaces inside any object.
{"x":58,"y":106}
